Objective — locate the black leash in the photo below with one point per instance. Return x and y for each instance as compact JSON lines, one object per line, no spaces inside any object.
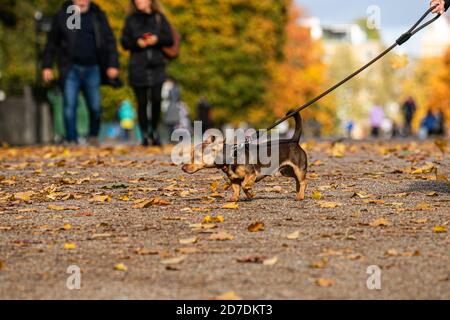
{"x":404,"y":38}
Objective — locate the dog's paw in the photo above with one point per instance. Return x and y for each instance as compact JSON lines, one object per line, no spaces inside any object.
{"x":250,"y":194}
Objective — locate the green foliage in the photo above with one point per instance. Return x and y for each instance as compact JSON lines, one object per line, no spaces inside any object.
{"x":18,"y":42}
{"x":112,"y":98}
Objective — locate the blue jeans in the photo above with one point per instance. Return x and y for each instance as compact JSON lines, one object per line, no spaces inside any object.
{"x":84,"y":79}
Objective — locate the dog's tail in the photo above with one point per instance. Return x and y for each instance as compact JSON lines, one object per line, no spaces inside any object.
{"x":298,"y":126}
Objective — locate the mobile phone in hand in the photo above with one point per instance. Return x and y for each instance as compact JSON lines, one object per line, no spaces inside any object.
{"x":147,"y":35}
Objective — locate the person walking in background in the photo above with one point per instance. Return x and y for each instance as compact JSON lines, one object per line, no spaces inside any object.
{"x":409,"y":109}
{"x":349,"y":128}
{"x":440,"y":123}
{"x":204,"y":113}
{"x":146,"y":32}
{"x":376,"y":120}
{"x":428,"y":124}
{"x":87,"y":56}
{"x":126,"y":116}
{"x":172,"y":97}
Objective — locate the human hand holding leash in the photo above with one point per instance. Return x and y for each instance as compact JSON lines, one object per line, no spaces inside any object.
{"x":440,"y":6}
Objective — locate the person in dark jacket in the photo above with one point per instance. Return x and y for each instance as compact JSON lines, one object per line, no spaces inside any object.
{"x":440,"y":123}
{"x":429,"y":123}
{"x":442,"y":5}
{"x":83,"y":42}
{"x":145,"y":33}
{"x":204,"y":113}
{"x":409,"y":109}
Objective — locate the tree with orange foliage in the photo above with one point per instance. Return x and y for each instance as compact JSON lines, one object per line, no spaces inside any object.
{"x":439,"y":87}
{"x":430,"y":85}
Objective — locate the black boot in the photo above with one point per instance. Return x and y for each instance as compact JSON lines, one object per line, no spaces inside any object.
{"x":155,"y":140}
{"x":145,"y":142}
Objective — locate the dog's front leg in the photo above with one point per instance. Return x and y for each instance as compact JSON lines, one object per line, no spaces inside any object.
{"x":248,"y":184}
{"x":236,"y":191}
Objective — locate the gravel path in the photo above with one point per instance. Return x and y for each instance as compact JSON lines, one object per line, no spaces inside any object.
{"x":374,"y":204}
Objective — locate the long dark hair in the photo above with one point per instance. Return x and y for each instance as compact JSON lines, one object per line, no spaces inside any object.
{"x":155,"y":6}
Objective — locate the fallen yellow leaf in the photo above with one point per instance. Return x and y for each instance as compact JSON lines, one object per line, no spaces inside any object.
{"x":428,"y":168}
{"x":214,"y":186}
{"x":209,"y":219}
{"x":124,"y":198}
{"x":173,"y":261}
{"x":230,"y":205}
{"x":441,"y":144}
{"x":338,"y":150}
{"x":325,"y":204}
{"x":101,"y":198}
{"x":55,"y":207}
{"x":70,"y":246}
{"x":381,"y":222}
{"x":30,"y":210}
{"x":24,"y":196}
{"x":270,"y":262}
{"x":439,"y":229}
{"x":188,"y":241}
{"x":293,"y":236}
{"x":255,"y":227}
{"x":120,"y":267}
{"x":316,"y":195}
{"x":228,"y":296}
{"x":325,"y":282}
{"x":319,"y":264}
{"x":143,"y":203}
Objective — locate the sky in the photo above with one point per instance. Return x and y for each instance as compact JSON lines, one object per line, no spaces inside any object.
{"x":397,"y":16}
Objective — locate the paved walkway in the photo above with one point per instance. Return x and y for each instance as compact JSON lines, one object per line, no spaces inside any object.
{"x":139,"y":228}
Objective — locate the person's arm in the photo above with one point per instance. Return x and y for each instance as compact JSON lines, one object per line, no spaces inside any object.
{"x":165,"y":38}
{"x":127,"y":40}
{"x":51,"y":47}
{"x":111,"y":47}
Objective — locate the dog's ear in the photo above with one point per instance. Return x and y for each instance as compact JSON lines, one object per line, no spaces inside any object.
{"x":211,"y":139}
{"x":214,"y":139}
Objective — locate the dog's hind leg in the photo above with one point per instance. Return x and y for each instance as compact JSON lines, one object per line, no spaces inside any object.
{"x":301,"y":183}
{"x":236,"y":192}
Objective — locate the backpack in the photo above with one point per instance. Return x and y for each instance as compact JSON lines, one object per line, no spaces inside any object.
{"x":172,"y":52}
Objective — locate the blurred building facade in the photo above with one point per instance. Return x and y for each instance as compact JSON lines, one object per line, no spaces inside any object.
{"x":333,"y":36}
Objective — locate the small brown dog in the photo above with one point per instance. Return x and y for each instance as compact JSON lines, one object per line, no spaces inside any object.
{"x":244,"y":170}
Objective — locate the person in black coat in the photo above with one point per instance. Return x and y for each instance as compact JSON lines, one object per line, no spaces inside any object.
{"x":82,"y":42}
{"x":145,"y":33}
{"x":409,"y":109}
